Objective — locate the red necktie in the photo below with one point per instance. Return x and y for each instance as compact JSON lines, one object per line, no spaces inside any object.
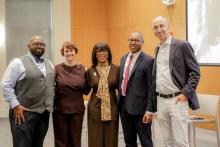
{"x":127,"y":74}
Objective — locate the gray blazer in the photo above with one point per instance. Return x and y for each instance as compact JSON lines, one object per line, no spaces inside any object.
{"x":184,"y":70}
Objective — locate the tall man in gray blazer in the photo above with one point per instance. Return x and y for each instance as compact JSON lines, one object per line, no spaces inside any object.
{"x":135,"y":93}
{"x":175,"y":77}
{"x":28,"y":87}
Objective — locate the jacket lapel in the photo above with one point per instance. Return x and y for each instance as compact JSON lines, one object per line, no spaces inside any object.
{"x":155,"y":65}
{"x":136,"y":63}
{"x":156,"y":51}
{"x":173,"y":49}
{"x":122,"y":66}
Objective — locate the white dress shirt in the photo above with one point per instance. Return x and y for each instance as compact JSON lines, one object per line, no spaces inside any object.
{"x":133,"y":61}
{"x":16,"y":72}
{"x":164,"y":83}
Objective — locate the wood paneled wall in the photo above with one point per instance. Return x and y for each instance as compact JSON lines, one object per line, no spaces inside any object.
{"x":126,"y":16}
{"x":89,"y":26}
{"x":114,"y":20}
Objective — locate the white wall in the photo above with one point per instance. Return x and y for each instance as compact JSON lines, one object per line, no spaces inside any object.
{"x":61,"y":27}
{"x":3,"y":105}
{"x":61,"y":31}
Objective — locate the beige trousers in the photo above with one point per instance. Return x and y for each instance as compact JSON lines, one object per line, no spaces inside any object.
{"x":173,"y":122}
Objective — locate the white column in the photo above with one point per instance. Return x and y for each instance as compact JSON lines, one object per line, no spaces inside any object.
{"x":3,"y":105}
{"x":61,"y":27}
{"x":61,"y":32}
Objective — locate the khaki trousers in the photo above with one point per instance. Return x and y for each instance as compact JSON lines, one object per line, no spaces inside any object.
{"x":173,"y":122}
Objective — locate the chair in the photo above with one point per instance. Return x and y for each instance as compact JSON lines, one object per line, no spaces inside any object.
{"x":209,"y":105}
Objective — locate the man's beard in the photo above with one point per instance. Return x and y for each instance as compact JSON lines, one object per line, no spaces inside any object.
{"x":36,"y":53}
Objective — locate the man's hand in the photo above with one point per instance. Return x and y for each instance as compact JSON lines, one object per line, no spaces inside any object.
{"x":181,"y":98}
{"x":147,"y":118}
{"x":19,"y":114}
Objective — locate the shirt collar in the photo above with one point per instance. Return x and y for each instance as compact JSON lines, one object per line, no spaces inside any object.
{"x":34,"y":58}
{"x":31,"y":56}
{"x":135,"y":54}
{"x":167,"y":42}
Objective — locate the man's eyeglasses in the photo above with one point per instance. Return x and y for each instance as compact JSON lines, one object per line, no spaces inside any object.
{"x":39,"y":44}
{"x":134,"y":40}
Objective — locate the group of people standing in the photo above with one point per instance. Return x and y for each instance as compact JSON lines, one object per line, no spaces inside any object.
{"x":141,"y":86}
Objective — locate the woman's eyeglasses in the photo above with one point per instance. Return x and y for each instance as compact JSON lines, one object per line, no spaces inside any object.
{"x":100,"y":52}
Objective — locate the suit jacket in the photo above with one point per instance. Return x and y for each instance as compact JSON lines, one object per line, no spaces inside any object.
{"x":138,"y":98}
{"x":184,"y":70}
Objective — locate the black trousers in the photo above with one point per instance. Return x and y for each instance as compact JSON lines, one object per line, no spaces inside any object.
{"x":132,"y":126}
{"x":32,"y":132}
{"x":67,"y":129}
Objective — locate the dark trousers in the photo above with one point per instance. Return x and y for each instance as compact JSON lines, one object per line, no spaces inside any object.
{"x":67,"y":129}
{"x":132,"y":126}
{"x":32,"y":132}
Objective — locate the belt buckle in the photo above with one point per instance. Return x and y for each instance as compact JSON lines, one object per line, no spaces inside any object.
{"x":166,"y":96}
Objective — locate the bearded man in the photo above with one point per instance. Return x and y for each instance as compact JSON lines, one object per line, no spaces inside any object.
{"x":28,"y":87}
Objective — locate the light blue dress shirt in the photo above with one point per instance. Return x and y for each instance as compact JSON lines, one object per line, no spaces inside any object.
{"x":15,"y":72}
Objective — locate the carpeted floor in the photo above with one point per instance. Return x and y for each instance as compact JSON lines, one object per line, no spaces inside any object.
{"x":205,"y":138}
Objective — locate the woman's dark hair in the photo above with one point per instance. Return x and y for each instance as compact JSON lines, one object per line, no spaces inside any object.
{"x":102,"y":46}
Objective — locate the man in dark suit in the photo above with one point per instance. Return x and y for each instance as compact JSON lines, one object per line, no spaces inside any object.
{"x":175,"y":77}
{"x":135,"y":93}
